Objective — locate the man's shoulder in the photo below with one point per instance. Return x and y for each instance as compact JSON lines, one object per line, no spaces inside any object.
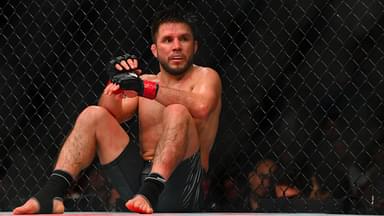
{"x":205,"y":71}
{"x":207,"y":75}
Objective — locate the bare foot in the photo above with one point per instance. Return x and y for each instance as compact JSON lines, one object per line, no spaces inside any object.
{"x":32,"y":207}
{"x":139,"y":204}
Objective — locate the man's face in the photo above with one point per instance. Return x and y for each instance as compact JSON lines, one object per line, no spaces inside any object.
{"x":260,"y":179}
{"x":174,"y":47}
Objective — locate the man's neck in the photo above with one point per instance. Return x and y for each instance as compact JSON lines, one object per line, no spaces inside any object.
{"x":168,"y":79}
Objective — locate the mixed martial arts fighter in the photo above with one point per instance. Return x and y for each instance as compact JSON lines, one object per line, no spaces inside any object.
{"x":178,"y":113}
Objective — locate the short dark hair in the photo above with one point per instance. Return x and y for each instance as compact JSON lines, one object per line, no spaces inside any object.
{"x":175,"y":15}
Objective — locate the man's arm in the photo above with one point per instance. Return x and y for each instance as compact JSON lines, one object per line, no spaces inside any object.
{"x":122,"y":105}
{"x":203,"y":99}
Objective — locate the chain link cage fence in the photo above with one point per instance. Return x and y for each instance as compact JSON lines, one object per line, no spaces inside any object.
{"x":302,"y":95}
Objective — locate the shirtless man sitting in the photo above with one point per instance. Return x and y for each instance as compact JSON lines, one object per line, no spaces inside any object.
{"x":178,"y":113}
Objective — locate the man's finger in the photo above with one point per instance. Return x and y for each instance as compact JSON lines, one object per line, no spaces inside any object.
{"x":125,"y":65}
{"x":118,"y":67}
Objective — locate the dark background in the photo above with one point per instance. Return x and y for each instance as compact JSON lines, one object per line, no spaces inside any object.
{"x":302,"y":85}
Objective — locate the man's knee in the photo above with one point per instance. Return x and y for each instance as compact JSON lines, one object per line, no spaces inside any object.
{"x":92,"y":114}
{"x":177,"y":111}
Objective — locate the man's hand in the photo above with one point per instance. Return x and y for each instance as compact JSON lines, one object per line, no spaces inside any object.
{"x":125,"y":76}
{"x":124,"y":64}
{"x":130,"y":81}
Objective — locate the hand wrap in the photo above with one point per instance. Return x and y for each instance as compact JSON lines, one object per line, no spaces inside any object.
{"x":128,"y":80}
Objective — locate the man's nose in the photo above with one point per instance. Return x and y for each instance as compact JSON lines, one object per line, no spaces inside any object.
{"x":176,"y":44}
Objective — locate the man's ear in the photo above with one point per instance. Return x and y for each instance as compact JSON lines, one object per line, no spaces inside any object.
{"x":154,"y":50}
{"x":196,"y":46}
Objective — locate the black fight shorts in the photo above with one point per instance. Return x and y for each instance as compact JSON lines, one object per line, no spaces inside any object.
{"x":182,"y":192}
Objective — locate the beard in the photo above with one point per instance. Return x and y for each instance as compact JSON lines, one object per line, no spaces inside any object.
{"x":176,"y":71}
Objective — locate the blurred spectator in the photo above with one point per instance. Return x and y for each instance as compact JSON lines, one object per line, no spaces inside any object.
{"x":227,"y":196}
{"x":368,"y":184}
{"x":268,"y":186}
{"x":261,"y":182}
{"x":232,"y":196}
{"x":317,"y":193}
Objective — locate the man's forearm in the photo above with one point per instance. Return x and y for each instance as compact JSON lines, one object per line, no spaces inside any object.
{"x":197,"y":105}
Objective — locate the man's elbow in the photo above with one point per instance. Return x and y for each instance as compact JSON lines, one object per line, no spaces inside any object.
{"x":202,"y":112}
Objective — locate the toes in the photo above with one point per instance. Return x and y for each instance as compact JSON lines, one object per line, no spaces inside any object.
{"x":58,"y":206}
{"x":139,"y":205}
{"x":30,"y":207}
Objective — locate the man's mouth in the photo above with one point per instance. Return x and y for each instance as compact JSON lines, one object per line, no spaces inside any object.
{"x":176,"y":58}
